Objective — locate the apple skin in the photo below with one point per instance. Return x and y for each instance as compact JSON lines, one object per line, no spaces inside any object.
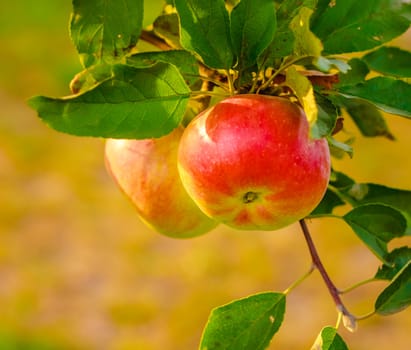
{"x":146,"y":171}
{"x":249,"y":162}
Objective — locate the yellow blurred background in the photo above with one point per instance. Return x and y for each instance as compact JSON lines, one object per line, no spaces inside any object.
{"x":78,"y":270}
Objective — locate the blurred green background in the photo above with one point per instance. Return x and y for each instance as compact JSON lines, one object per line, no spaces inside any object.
{"x":78,"y":270}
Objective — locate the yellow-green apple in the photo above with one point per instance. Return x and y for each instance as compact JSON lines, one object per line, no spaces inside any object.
{"x":249,"y":162}
{"x":146,"y":171}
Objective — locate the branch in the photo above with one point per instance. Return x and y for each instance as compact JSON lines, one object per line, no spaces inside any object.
{"x":154,"y":40}
{"x":349,"y":320}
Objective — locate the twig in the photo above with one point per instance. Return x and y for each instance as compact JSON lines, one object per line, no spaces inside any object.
{"x":154,"y":40}
{"x":349,"y":320}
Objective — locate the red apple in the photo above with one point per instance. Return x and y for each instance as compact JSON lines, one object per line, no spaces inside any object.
{"x":249,"y":162}
{"x":146,"y":171}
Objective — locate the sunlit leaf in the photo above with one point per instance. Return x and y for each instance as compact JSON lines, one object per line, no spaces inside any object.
{"x":325,"y":64}
{"x":132,"y":103}
{"x":329,"y":339}
{"x":244,"y":324}
{"x":105,"y":31}
{"x":304,"y":91}
{"x":397,"y":296}
{"x":306,"y":43}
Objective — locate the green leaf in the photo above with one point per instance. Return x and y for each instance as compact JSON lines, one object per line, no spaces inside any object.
{"x":326,"y":64}
{"x":251,"y":34}
{"x":132,"y":103}
{"x":304,"y":91}
{"x":245,"y":324}
{"x":400,"y":7}
{"x":288,"y":9}
{"x":166,"y":27}
{"x":329,"y":339}
{"x":306,"y":43}
{"x":105,"y":31}
{"x":397,"y":295}
{"x":390,"y":61}
{"x":340,"y":181}
{"x":367,"y":117}
{"x":327,"y":204}
{"x":338,"y":148}
{"x":376,"y":225}
{"x":363,"y":193}
{"x":205,"y":30}
{"x":326,"y":118}
{"x":284,"y":39}
{"x":90,"y":77}
{"x":281,"y":46}
{"x":355,"y":75}
{"x":183,"y":60}
{"x":397,"y":259}
{"x":352,"y":25}
{"x":387,"y":94}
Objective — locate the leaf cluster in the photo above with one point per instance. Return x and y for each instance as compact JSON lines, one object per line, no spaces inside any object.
{"x":334,"y":58}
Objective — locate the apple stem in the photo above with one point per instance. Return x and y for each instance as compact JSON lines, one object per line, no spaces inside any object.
{"x":334,"y":292}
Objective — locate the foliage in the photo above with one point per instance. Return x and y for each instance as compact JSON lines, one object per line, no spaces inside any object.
{"x":197,"y":49}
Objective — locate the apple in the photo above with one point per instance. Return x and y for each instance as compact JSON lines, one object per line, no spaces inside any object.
{"x":146,"y":171}
{"x":249,"y":162}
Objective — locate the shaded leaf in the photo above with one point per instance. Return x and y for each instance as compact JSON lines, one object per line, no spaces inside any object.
{"x":281,"y":46}
{"x":352,"y":25}
{"x":400,"y":7}
{"x":363,"y":193}
{"x":205,"y":30}
{"x":376,"y":225}
{"x":132,"y":103}
{"x":397,"y":295}
{"x":338,"y":148}
{"x":326,"y":117}
{"x":397,"y":259}
{"x":367,"y":117}
{"x":245,"y":324}
{"x":283,"y":42}
{"x":340,"y":180}
{"x":183,"y":60}
{"x":356,"y":74}
{"x":386,"y":93}
{"x":90,"y":77}
{"x":105,"y":31}
{"x":329,"y":339}
{"x":166,"y":27}
{"x":390,"y":61}
{"x":288,"y":9}
{"x":327,"y":204}
{"x":251,"y":34}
